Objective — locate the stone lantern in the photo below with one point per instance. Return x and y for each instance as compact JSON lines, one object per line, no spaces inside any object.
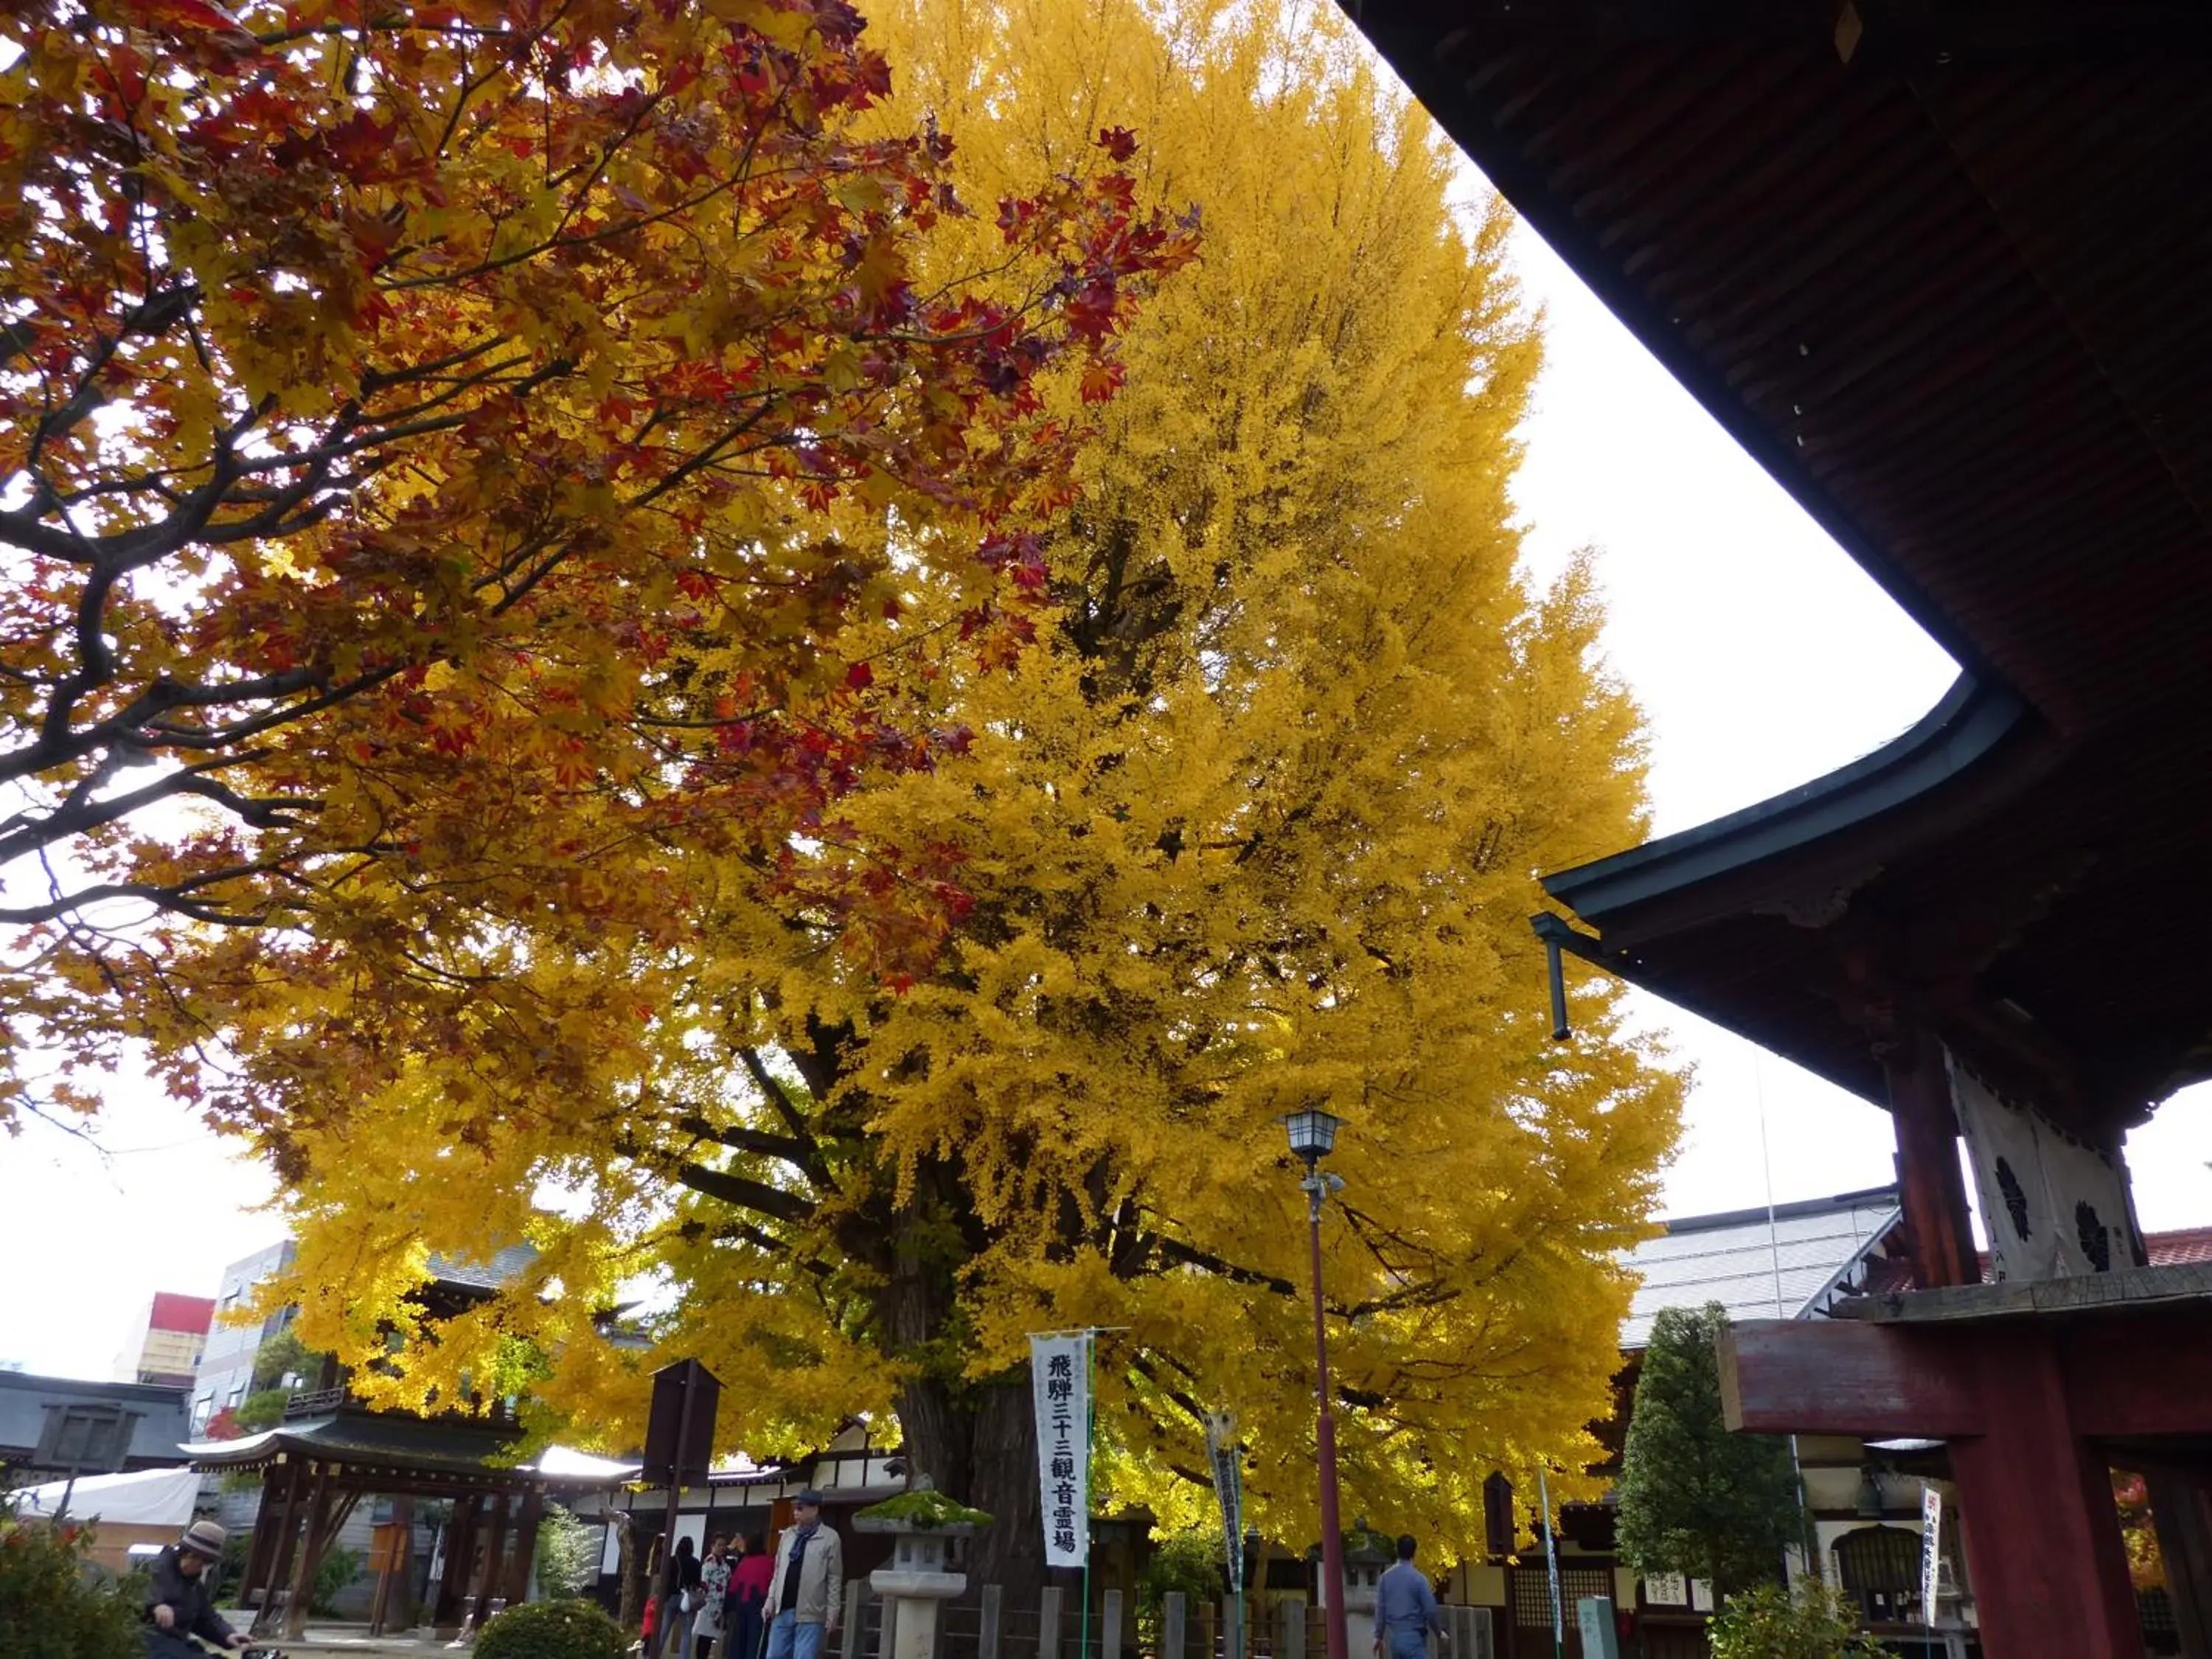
{"x":1362,"y":1573}
{"x":923,"y":1520}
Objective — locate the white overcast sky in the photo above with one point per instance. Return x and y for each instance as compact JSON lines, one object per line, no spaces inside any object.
{"x":1762,"y":655}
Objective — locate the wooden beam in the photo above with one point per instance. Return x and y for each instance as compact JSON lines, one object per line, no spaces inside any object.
{"x":1809,"y":1376}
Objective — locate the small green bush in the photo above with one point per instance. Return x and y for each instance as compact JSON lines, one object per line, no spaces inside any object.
{"x":552,"y":1630}
{"x":338,"y":1570}
{"x":55,"y":1604}
{"x":1769,"y":1623}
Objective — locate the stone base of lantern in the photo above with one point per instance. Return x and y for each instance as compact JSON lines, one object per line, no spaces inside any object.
{"x":911,"y":1600}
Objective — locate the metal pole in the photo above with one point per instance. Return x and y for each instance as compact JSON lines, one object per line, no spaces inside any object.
{"x":1332,"y":1528}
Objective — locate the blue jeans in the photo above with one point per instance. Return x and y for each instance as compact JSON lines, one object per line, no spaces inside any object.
{"x":1409,"y":1643}
{"x":789,"y":1639}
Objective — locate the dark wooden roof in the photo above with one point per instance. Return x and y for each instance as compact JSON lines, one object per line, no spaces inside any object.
{"x":1945,"y":271}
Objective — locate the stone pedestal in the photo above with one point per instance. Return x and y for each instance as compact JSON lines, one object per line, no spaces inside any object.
{"x":917,"y":1578}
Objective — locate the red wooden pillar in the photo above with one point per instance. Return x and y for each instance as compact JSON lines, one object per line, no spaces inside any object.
{"x":1939,"y":1238}
{"x":2181,"y":1507}
{"x":2035,"y":1504}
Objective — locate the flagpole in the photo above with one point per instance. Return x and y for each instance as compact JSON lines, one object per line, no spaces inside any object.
{"x":1090,"y":1472}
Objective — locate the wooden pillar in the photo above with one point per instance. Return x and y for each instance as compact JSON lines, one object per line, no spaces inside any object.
{"x":280,"y":1565}
{"x":276,"y":1489}
{"x":526,"y":1547}
{"x":460,"y":1556}
{"x":495,"y":1547}
{"x":397,"y":1567}
{"x":1049,"y":1622}
{"x":1938,"y":1235}
{"x":310,"y":1557}
{"x":2035,"y":1507}
{"x":2181,"y":1507}
{"x":992,"y":1614}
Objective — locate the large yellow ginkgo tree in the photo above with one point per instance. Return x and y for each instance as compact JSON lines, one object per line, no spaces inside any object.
{"x":1245,"y":816}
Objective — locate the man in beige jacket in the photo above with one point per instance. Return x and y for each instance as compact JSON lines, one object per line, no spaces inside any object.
{"x":806,"y":1596}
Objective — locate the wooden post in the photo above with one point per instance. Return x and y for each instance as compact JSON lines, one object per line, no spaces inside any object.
{"x":1938,"y":1234}
{"x":887,"y":1627}
{"x":276,"y":1483}
{"x":303,"y":1570}
{"x":396,"y":1568}
{"x":281,"y":1560}
{"x":526,"y":1547}
{"x":1291,"y":1643}
{"x":460,"y":1556}
{"x":495,"y":1548}
{"x":991,"y":1615}
{"x":2036,"y":1510}
{"x":1048,"y":1622}
{"x":1110,"y":1627}
{"x":2181,"y":1510}
{"x":1173,"y":1645}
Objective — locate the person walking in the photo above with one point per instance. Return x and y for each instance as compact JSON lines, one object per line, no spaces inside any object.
{"x":714,"y":1598}
{"x":178,"y":1604}
{"x":806,"y":1594}
{"x":747,"y":1596}
{"x":679,"y":1600}
{"x":1405,"y":1608}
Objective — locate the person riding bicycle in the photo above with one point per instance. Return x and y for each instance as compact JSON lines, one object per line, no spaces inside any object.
{"x":177,"y":1604}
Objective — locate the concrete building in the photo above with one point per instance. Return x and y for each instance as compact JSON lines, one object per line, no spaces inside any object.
{"x":225,"y":1373}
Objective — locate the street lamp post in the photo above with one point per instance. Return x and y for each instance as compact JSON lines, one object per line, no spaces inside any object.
{"x":1313,"y":1134}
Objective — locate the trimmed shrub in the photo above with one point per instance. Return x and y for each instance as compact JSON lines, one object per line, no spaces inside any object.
{"x":56,"y":1604}
{"x":552,"y":1630}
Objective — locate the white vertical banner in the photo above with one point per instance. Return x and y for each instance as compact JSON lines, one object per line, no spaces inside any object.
{"x":1931,"y":1550}
{"x":1060,"y":1375}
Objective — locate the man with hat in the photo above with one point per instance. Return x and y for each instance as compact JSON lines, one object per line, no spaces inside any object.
{"x":177,"y":1604}
{"x":806,"y":1596}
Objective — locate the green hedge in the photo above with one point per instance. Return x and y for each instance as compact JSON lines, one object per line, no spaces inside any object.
{"x":552,"y":1630}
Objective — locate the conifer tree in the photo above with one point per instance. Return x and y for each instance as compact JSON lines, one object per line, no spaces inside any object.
{"x":1695,"y":1498}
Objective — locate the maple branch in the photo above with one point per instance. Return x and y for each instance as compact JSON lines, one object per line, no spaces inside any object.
{"x":170,"y":896}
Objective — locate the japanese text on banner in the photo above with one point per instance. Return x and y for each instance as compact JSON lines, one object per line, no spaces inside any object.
{"x":1060,"y":1373}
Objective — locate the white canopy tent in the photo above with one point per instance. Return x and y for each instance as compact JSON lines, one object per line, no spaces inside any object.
{"x":150,"y":1498}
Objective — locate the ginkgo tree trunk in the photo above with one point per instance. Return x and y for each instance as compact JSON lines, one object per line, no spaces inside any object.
{"x":1250,"y":821}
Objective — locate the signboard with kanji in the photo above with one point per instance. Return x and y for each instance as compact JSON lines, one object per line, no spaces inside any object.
{"x":1060,"y":1373}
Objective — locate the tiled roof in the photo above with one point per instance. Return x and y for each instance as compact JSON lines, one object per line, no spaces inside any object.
{"x":1754,"y":1266}
{"x":493,"y":1273}
{"x":2172,"y":1249}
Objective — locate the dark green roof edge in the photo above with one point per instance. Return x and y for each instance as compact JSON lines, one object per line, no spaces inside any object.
{"x":1972,"y":718}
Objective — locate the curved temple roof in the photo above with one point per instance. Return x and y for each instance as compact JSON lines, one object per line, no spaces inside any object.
{"x":1941,"y":271}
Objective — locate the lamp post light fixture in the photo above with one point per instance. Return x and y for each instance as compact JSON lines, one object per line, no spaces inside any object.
{"x":1313,"y":1136}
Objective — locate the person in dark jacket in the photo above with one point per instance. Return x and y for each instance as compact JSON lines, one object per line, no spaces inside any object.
{"x":679,"y":1582}
{"x":179,"y":1605}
